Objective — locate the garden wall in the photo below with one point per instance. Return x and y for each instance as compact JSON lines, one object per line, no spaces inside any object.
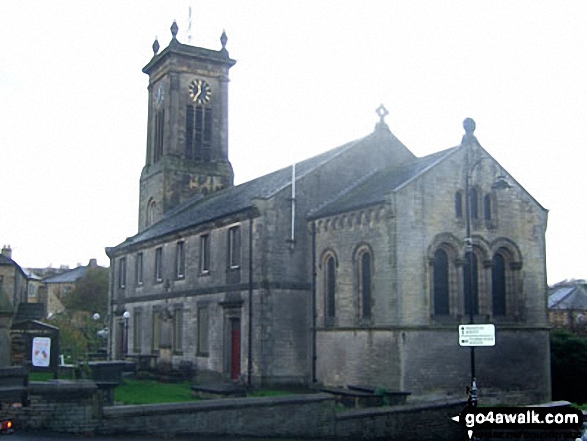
{"x":77,"y":407}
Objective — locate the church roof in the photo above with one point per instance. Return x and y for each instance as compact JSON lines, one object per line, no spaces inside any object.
{"x":374,"y":187}
{"x":234,"y":199}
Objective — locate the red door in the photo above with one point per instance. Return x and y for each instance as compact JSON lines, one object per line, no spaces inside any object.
{"x":235,"y":349}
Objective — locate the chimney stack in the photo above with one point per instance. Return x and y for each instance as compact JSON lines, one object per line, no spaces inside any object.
{"x":7,"y":251}
{"x":93,"y":263}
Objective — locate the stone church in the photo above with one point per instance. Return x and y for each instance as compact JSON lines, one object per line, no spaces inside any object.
{"x":353,"y":267}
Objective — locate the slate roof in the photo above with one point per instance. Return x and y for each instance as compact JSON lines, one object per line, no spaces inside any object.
{"x":232,"y":200}
{"x":70,"y":276}
{"x":568,"y":296}
{"x":374,"y":188}
{"x":7,"y":261}
{"x":368,"y":190}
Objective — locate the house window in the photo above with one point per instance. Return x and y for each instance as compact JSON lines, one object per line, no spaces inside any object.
{"x":204,"y":253}
{"x":136,"y":328}
{"x":365,"y":284}
{"x":159,"y":264}
{"x":459,"y":204}
{"x":139,"y":269}
{"x":156,"y":329}
{"x":498,"y":285}
{"x":180,"y":260}
{"x":441,"y":286}
{"x":330,"y":287}
{"x":471,"y":284}
{"x":203,"y":347}
{"x":234,"y":247}
{"x":198,"y":133}
{"x":122,"y":272}
{"x":178,"y":330}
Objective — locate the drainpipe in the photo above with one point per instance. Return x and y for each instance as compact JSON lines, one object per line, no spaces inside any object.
{"x":314,"y":274}
{"x":293,"y":206}
{"x":250,"y":357}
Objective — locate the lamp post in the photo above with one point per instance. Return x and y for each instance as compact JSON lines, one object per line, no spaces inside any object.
{"x":126,"y":316}
{"x":500,"y":183}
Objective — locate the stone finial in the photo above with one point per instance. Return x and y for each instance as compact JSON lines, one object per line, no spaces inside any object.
{"x":382,"y":112}
{"x":174,"y":30}
{"x":469,"y":126}
{"x":156,"y":46}
{"x":223,"y":39}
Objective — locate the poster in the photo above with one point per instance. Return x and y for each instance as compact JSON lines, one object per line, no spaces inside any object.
{"x":41,"y":351}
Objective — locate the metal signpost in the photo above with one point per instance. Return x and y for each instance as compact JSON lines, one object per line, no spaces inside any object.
{"x":477,"y":335}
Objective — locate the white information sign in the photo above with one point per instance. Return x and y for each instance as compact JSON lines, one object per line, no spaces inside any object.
{"x":41,"y":351}
{"x":477,"y":335}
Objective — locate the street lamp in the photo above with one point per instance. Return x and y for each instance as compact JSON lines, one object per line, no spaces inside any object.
{"x":126,"y":316}
{"x":500,"y":184}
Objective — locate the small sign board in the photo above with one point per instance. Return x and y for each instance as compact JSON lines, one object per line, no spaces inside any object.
{"x":477,"y":335}
{"x":41,"y":355}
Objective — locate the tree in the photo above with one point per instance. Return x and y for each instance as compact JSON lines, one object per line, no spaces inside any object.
{"x":90,"y":293}
{"x":568,"y":366}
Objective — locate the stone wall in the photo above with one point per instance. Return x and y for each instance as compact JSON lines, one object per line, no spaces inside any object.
{"x":60,"y":406}
{"x":77,"y":407}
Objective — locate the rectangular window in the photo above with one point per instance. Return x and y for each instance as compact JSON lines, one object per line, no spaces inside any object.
{"x":156,"y":329}
{"x":159,"y":264}
{"x":234,"y":247}
{"x":204,"y":253}
{"x":122,"y":272}
{"x":139,"y":269}
{"x":180,"y":260}
{"x":159,"y":125}
{"x":177,"y":330}
{"x":136,"y":328}
{"x":203,"y":347}
{"x":198,"y":133}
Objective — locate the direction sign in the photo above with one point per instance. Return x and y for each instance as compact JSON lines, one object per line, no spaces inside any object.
{"x":477,"y":335}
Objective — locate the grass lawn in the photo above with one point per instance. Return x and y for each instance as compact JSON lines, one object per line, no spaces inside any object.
{"x":133,"y":391}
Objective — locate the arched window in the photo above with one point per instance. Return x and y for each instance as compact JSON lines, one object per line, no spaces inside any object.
{"x":471,"y":284}
{"x":473,"y":203}
{"x":498,"y":285}
{"x":365,"y":281}
{"x":330,"y":307}
{"x":487,"y":206}
{"x":459,"y":204}
{"x":151,"y":206}
{"x":441,"y":287}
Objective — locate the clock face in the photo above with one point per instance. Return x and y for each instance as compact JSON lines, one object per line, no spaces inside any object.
{"x":159,"y":95}
{"x":200,"y":91}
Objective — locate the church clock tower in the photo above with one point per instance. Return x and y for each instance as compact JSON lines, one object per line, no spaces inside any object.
{"x":187,"y":134}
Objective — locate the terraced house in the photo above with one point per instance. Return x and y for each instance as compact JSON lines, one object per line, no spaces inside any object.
{"x":355,"y":266}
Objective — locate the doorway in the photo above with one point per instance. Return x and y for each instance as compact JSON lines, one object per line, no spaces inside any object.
{"x":235,"y":348}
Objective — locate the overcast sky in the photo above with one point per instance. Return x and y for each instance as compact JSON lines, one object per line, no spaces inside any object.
{"x":309,"y":76}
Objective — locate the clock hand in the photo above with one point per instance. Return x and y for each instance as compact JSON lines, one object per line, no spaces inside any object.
{"x":197,"y":95}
